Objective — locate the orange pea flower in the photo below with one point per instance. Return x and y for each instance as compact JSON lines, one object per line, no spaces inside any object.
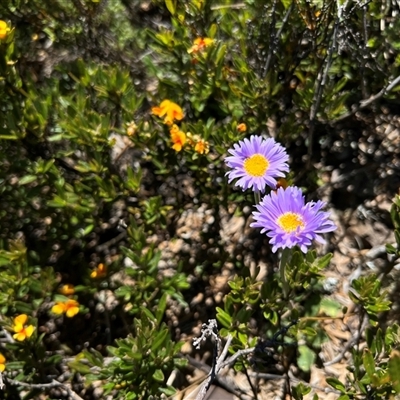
{"x":200,"y":44}
{"x":170,"y":110}
{"x":202,"y":147}
{"x":174,"y":129}
{"x":4,"y":29}
{"x":242,"y":127}
{"x":67,"y":289}
{"x":2,"y":363}
{"x":22,"y":331}
{"x":99,"y":272}
{"x":178,"y":138}
{"x":69,"y":307}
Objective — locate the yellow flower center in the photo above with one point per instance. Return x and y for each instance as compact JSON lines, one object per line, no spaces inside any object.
{"x":256,"y":165}
{"x":290,"y":222}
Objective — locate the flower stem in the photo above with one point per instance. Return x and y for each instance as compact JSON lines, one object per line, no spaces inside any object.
{"x":257,"y":196}
{"x":285,"y":257}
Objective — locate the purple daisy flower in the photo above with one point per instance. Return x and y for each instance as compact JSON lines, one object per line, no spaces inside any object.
{"x":289,"y":221}
{"x":257,"y":162}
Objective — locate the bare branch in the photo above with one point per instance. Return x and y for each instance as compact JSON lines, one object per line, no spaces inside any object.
{"x":370,"y":100}
{"x":351,"y":343}
{"x":275,"y":38}
{"x":319,"y":88}
{"x":217,"y":363}
{"x":53,"y":384}
{"x":240,"y":353}
{"x":211,"y":330}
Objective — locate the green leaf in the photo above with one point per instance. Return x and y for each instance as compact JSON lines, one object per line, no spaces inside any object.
{"x":397,"y":237}
{"x":224,"y":318}
{"x":308,"y":331}
{"x":87,"y":230}
{"x":158,"y":375}
{"x":306,"y":358}
{"x":125,"y":292}
{"x":15,"y":365}
{"x":392,"y":335}
{"x":171,"y":5}
{"x":243,"y":338}
{"x":212,"y":31}
{"x":56,"y":138}
{"x":340,"y":85}
{"x":148,"y":313}
{"x":336,"y":384}
{"x":220,"y":55}
{"x":378,"y":341}
{"x":159,"y":340}
{"x":271,"y":316}
{"x":330,"y":307}
{"x":394,"y":214}
{"x":300,"y":391}
{"x":94,"y":357}
{"x":324,"y":261}
{"x":286,"y":3}
{"x":390,"y":249}
{"x":394,"y":369}
{"x":23,"y":308}
{"x":244,"y":315}
{"x":8,"y":137}
{"x":57,"y":202}
{"x":27,"y":179}
{"x":79,"y":367}
{"x":369,"y":363}
{"x":113,"y":351}
{"x":162,"y":305}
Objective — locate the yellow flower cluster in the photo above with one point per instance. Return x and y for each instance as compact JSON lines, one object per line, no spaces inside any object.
{"x":179,"y":139}
{"x":200,"y":145}
{"x":200,"y":44}
{"x":99,"y":272}
{"x":22,"y":331}
{"x":170,"y":110}
{"x":4,"y":29}
{"x":131,"y":128}
{"x":173,"y":112}
{"x":69,"y":307}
